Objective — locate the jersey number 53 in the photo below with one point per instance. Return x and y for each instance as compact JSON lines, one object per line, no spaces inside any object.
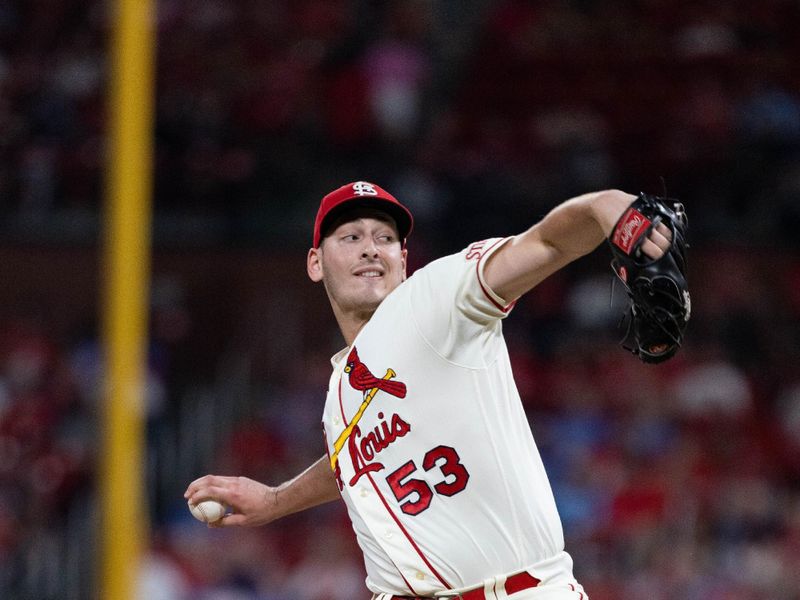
{"x":415,"y":495}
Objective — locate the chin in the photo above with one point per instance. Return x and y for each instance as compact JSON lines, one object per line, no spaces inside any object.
{"x":373,"y":302}
{"x":370,"y":302}
{"x":369,"y":299}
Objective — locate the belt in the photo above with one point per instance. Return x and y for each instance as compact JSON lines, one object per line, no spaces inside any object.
{"x":514,"y":583}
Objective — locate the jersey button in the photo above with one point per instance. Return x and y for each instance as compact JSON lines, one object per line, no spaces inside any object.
{"x":364,"y":492}
{"x":336,"y":419}
{"x":420,"y":575}
{"x":388,"y":535}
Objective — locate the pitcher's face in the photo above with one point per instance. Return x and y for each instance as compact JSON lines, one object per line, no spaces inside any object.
{"x":360,"y":261}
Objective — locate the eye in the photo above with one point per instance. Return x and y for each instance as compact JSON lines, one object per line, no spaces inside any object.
{"x":350,"y":237}
{"x":387,"y":238}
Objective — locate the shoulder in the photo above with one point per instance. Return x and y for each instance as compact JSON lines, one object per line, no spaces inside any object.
{"x":478,"y":250}
{"x":457,"y":281}
{"x":467,"y":258}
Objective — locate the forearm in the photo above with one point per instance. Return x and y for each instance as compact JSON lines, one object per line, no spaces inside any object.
{"x":254,"y":503}
{"x":572,"y":229}
{"x":316,"y":485}
{"x":579,"y":225}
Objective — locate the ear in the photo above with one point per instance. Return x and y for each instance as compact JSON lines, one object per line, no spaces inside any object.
{"x":404,"y":257}
{"x":314,"y":265}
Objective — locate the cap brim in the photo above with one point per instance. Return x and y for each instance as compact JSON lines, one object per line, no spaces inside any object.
{"x":401,"y":216}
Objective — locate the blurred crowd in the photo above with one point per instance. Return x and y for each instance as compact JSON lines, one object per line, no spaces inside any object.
{"x":680,"y":481}
{"x":264,"y":104}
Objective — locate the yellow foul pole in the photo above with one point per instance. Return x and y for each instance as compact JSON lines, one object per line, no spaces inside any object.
{"x":126,"y":273}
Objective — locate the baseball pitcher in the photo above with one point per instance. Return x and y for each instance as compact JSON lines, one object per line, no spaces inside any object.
{"x":426,"y":439}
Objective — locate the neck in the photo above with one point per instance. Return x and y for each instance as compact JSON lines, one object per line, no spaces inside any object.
{"x":350,"y":323}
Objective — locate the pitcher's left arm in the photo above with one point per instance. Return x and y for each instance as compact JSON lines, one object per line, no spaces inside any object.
{"x":571,"y":230}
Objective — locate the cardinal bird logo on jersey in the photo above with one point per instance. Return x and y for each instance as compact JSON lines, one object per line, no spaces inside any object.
{"x":361,"y":378}
{"x":363,"y":449}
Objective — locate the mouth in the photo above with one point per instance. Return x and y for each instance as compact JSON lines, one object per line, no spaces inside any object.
{"x":369,"y":273}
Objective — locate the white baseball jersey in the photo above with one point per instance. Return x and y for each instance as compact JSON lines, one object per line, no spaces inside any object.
{"x":431,"y":447}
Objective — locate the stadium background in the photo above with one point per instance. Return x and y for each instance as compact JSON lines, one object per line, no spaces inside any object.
{"x":681,"y":481}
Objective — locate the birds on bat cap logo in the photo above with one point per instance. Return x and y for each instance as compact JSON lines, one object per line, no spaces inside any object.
{"x":363,"y":188}
{"x":362,"y":379}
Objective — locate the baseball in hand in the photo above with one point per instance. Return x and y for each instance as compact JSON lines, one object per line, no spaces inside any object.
{"x":207,"y":511}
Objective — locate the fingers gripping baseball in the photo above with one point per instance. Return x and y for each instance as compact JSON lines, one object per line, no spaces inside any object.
{"x":250,"y":503}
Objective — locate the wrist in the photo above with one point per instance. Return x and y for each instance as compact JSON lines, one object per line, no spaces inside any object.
{"x":271,"y":511}
{"x":609,"y":206}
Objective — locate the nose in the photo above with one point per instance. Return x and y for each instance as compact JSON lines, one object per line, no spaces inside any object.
{"x":370,"y":249}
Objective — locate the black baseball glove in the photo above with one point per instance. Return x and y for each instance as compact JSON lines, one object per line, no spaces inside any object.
{"x":660,"y":305}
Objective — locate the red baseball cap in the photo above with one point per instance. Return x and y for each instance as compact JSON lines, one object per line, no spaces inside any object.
{"x":357,"y":194}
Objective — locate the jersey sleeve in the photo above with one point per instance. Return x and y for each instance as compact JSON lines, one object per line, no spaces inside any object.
{"x":455,"y":310}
